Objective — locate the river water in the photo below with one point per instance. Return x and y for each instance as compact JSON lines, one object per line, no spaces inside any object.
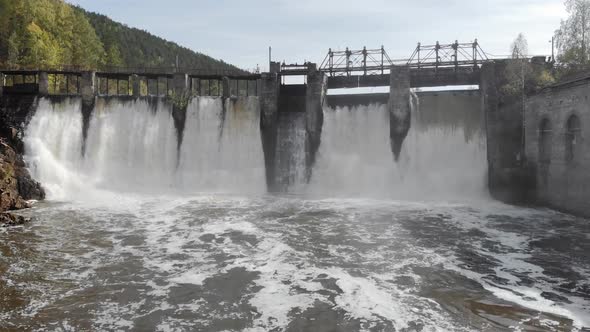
{"x":135,"y":237}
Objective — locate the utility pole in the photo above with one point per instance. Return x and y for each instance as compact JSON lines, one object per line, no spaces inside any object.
{"x":523,"y":113}
{"x":552,"y":48}
{"x":269,"y":57}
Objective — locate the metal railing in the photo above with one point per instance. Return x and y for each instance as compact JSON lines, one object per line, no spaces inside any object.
{"x":362,"y":62}
{"x":447,"y":55}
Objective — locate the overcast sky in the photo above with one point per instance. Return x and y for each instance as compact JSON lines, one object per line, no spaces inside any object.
{"x":240,"y":32}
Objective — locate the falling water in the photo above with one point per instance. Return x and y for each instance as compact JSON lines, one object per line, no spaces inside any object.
{"x":443,"y":160}
{"x":222,"y":150}
{"x":290,"y":151}
{"x":132,"y":147}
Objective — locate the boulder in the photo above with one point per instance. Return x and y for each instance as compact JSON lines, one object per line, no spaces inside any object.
{"x":10,"y":219}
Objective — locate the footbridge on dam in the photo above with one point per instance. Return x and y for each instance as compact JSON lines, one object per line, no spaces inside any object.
{"x":428,"y":66}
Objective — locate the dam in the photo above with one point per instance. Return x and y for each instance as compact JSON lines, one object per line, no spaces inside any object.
{"x":235,"y":202}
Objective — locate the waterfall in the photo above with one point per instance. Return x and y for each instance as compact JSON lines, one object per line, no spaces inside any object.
{"x":222,"y":150}
{"x":132,"y":147}
{"x":290,"y":151}
{"x":439,"y":159}
{"x":354,"y":158}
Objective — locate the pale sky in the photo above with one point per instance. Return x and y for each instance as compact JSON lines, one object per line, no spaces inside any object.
{"x":240,"y":32}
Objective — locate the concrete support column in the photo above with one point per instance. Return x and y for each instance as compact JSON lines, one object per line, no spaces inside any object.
{"x":181,"y":99}
{"x":399,"y":107}
{"x":269,"y":98}
{"x":88,"y":94}
{"x":314,"y":100}
{"x":180,"y":84}
{"x":135,"y":86}
{"x":269,"y":106}
{"x":87,"y":86}
{"x":43,"y":83}
{"x":226,"y":87}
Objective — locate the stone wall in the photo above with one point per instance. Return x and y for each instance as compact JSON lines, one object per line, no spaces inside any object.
{"x":560,"y":156}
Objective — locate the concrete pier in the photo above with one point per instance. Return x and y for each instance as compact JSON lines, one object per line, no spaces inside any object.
{"x":88,"y":94}
{"x":135,"y":86}
{"x":269,"y":106}
{"x":399,"y":107}
{"x":180,"y":84}
{"x":87,"y":86}
{"x":181,"y":98}
{"x":314,"y":100}
{"x":226,"y":93}
{"x":43,"y":83}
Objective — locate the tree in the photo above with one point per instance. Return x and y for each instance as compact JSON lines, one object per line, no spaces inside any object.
{"x":521,"y":75}
{"x":87,"y":49}
{"x":573,"y":37}
{"x":40,"y":48}
{"x":519,"y":47}
{"x":48,"y":33}
{"x":517,"y":68}
{"x":114,"y":56}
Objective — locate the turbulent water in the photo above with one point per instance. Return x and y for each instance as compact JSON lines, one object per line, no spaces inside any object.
{"x":139,"y":235}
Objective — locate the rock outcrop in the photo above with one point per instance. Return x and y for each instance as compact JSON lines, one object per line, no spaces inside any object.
{"x":16,"y":184}
{"x":10,"y":219}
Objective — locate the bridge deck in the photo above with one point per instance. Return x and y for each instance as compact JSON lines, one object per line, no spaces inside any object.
{"x":419,"y":77}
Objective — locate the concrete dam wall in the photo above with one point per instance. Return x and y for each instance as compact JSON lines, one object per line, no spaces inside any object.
{"x":138,"y":145}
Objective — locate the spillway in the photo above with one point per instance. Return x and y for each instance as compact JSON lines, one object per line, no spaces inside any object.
{"x":222,"y":149}
{"x":131,"y":146}
{"x":290,"y":164}
{"x":443,"y":157}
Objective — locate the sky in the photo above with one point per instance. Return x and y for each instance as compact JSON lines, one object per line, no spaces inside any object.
{"x":240,"y":31}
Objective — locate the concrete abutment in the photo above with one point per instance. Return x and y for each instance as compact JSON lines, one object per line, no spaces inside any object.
{"x":510,"y":178}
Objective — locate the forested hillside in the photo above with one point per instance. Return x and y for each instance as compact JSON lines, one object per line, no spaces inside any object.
{"x":52,"y":33}
{"x":136,"y":48}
